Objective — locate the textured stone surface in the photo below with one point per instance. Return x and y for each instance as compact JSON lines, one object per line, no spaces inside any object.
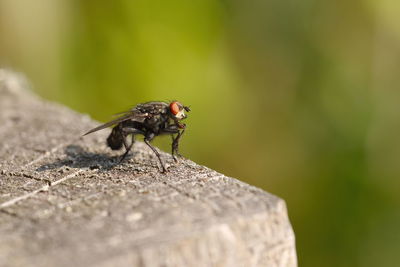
{"x":65,"y":200}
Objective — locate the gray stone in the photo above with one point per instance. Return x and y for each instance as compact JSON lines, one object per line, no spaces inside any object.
{"x":65,"y":200}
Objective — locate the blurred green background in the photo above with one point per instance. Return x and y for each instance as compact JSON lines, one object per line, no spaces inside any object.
{"x":300,"y":98}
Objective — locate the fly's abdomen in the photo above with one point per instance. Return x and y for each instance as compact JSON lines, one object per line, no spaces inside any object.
{"x":115,"y":140}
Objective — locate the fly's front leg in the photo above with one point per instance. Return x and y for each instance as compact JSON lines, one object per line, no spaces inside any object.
{"x":172,"y":148}
{"x":175,"y":145}
{"x":174,"y":129}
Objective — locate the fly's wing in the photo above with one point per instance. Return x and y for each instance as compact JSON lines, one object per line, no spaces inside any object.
{"x":129,"y":115}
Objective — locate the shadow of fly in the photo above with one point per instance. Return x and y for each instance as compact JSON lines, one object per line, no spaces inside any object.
{"x":150,"y":120}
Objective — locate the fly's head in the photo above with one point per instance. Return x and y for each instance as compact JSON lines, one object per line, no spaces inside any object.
{"x":177,"y":112}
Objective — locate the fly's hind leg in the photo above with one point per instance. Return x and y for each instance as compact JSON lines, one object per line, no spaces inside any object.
{"x":132,"y":132}
{"x":147,"y":140}
{"x":127,"y":147}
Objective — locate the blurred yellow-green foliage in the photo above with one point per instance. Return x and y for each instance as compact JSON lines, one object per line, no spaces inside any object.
{"x":300,"y":98}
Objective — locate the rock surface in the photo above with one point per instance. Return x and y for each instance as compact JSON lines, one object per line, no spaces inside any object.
{"x":65,"y":200}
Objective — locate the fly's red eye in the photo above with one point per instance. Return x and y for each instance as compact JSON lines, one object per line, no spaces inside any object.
{"x":174,"y":107}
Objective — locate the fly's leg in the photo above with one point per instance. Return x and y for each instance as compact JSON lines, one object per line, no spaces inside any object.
{"x":127,"y":147}
{"x":170,"y":129}
{"x":174,"y":129}
{"x":172,"y":148}
{"x":132,"y":132}
{"x":175,"y":145}
{"x":147,"y":140}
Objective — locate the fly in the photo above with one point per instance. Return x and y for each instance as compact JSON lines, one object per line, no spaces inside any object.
{"x":150,"y":120}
